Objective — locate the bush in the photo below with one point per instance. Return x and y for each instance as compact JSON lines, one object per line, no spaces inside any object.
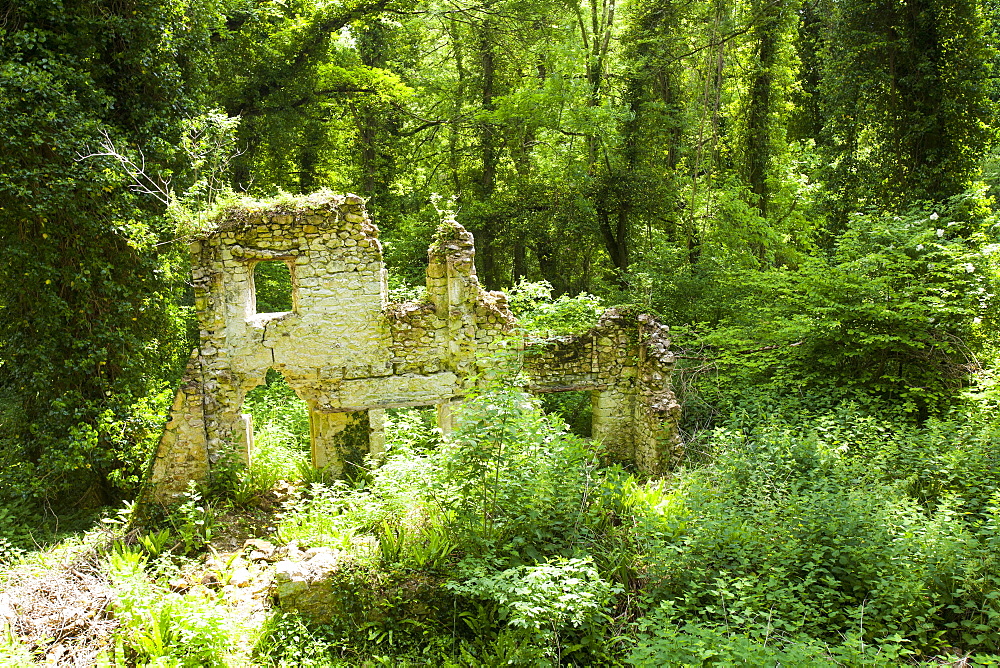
{"x":789,"y":532}
{"x":13,"y":653}
{"x":892,"y":316}
{"x":394,"y":500}
{"x":511,"y":481}
{"x":560,"y":606}
{"x":667,"y":643}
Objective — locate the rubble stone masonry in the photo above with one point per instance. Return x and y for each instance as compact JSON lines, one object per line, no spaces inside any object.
{"x":349,"y":353}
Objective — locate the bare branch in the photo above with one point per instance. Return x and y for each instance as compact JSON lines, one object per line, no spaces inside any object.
{"x":142,"y":182}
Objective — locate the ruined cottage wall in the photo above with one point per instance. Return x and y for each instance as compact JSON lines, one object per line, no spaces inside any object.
{"x":596,"y":359}
{"x":475,"y":320}
{"x":458,"y":323}
{"x":335,"y":331}
{"x":342,"y":347}
{"x":625,"y":362}
{"x":183,"y":449}
{"x":335,"y":334}
{"x":494,"y":323}
{"x":418,"y":337}
{"x":349,"y":353}
{"x":338,"y":290}
{"x":655,"y":411}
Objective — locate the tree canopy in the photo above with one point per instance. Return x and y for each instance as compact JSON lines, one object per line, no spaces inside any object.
{"x":811,"y":177}
{"x":805,"y":191}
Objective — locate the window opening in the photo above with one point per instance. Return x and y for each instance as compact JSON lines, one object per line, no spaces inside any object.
{"x":272,"y":280}
{"x":573,"y":407}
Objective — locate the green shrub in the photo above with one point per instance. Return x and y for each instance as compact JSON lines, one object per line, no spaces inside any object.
{"x":287,"y":641}
{"x":15,"y":530}
{"x":892,"y":316}
{"x":560,"y":606}
{"x":667,"y":642}
{"x":329,"y":515}
{"x":507,"y":492}
{"x":281,"y":436}
{"x":193,"y":520}
{"x":786,"y":533}
{"x":394,"y":503}
{"x":411,"y":430}
{"x":510,"y":480}
{"x":952,"y":457}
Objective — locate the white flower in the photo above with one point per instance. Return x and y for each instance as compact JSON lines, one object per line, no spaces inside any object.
{"x":969,"y":268}
{"x":976,"y":321}
{"x":920,"y":246}
{"x":934,"y":216}
{"x":940,"y":232}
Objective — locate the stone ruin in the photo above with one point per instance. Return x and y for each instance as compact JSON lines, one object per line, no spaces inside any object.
{"x":350,"y":353}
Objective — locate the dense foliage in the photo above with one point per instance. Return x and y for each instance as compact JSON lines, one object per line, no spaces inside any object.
{"x":792,"y":176}
{"x":92,"y":304}
{"x":839,"y":538}
{"x":804,"y":190}
{"x":832,"y":539}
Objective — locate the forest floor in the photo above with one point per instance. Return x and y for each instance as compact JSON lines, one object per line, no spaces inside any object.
{"x":59,"y":601}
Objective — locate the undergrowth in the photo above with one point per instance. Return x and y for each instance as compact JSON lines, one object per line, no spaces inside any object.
{"x":832,"y":538}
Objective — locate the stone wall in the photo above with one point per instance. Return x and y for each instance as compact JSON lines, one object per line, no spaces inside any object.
{"x":350,"y":354}
{"x":625,"y":363}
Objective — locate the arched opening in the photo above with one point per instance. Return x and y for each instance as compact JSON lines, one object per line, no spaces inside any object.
{"x":291,"y":441}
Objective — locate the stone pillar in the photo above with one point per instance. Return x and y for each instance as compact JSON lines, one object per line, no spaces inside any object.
{"x":612,"y":422}
{"x":341,"y":441}
{"x":444,"y":417}
{"x":376,"y":434}
{"x":244,"y":439}
{"x":658,"y":445}
{"x":453,"y":288}
{"x":225,"y":425}
{"x":324,"y":434}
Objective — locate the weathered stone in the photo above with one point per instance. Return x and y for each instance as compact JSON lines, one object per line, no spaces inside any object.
{"x":349,"y":353}
{"x":290,"y":579}
{"x":333,"y":588}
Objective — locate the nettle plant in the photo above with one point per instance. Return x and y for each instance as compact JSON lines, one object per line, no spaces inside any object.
{"x":511,"y":480}
{"x":560,"y":605}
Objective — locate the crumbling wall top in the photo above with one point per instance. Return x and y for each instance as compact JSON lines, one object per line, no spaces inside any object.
{"x":248,"y":212}
{"x":451,"y":239}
